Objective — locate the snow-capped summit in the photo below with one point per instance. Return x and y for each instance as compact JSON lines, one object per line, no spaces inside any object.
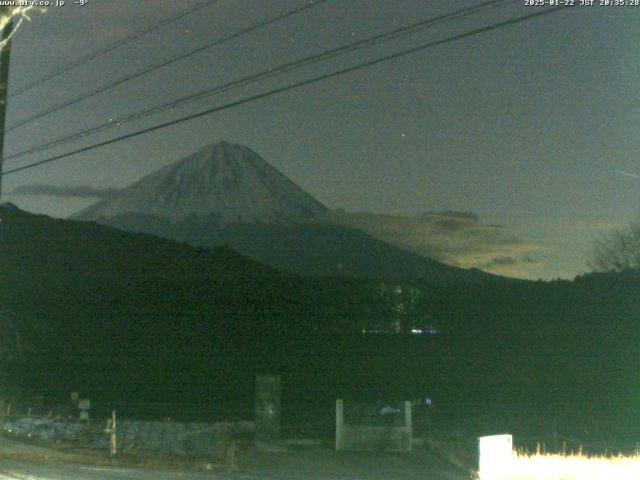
{"x":230,"y":182}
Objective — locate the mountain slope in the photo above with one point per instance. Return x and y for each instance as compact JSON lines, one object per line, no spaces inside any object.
{"x":149,"y":316}
{"x":309,"y":248}
{"x":135,"y":318}
{"x":227,"y":195}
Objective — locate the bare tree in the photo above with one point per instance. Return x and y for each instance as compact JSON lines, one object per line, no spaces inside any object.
{"x":617,"y":252}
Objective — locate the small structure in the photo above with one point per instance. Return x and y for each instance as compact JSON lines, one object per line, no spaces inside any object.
{"x":374,"y":427}
{"x":84,"y":405}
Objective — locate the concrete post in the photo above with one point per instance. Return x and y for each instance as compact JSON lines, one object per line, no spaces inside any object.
{"x":267,"y":411}
{"x":339,"y":424}
{"x":408,"y":425}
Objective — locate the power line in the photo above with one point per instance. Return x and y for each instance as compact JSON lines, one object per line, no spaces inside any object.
{"x":113,"y":46}
{"x":293,"y":86}
{"x":153,"y":68}
{"x":269,"y":72}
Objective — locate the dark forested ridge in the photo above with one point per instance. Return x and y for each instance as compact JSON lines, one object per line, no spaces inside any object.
{"x":311,"y":248}
{"x":133,"y":317}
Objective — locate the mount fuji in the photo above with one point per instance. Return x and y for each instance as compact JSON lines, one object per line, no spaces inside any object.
{"x":228,"y":182}
{"x":227,"y":194}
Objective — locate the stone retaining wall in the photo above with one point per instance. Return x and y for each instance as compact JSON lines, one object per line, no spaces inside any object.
{"x":193,"y":439}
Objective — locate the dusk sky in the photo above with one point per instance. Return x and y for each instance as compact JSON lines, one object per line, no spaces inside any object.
{"x":533,"y":127}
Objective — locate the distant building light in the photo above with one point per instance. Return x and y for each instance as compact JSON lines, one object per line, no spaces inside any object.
{"x":395,"y":330}
{"x":377,"y":331}
{"x":424,"y":331}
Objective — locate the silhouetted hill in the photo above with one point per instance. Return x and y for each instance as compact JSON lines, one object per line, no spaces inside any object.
{"x":136,"y":318}
{"x":309,"y":248}
{"x":123,"y":315}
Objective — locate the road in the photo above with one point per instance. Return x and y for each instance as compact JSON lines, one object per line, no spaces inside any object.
{"x":25,"y":470}
{"x":22,"y":461}
{"x":31,"y":470}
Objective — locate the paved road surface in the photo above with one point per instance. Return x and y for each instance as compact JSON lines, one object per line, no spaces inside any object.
{"x":28,"y":470}
{"x":23,"y":470}
{"x":292,"y":464}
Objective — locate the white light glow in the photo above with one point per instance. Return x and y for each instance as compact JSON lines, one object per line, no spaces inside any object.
{"x":19,"y":13}
{"x":499,"y":462}
{"x":573,"y":467}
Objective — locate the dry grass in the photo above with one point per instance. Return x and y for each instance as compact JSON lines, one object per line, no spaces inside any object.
{"x":525,"y":466}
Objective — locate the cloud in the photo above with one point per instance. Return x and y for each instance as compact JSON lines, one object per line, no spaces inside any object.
{"x":531,"y":261}
{"x":54,"y":191}
{"x":627,"y":174}
{"x":455,"y":238}
{"x":590,"y":225}
{"x":472,"y":217}
{"x":502,"y":261}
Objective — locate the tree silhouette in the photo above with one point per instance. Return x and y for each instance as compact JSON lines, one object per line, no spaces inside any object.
{"x":618,"y":251}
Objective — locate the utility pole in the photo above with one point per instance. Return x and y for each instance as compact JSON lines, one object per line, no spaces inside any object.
{"x":5,"y":58}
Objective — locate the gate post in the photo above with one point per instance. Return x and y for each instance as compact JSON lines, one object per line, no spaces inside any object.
{"x":339,"y":424}
{"x":408,"y":427}
{"x":267,"y":411}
